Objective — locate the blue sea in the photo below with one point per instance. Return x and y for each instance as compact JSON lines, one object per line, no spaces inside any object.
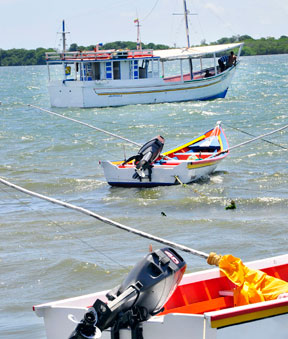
{"x":48,"y":252}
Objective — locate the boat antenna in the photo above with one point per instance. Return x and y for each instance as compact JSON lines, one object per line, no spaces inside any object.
{"x":139,"y":44}
{"x":63,"y":37}
{"x":105,"y":220}
{"x":85,"y":124}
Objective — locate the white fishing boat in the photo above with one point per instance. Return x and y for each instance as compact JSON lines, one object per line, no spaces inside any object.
{"x":116,"y":78}
{"x":183,"y":164}
{"x":202,"y":307}
{"x":101,"y":78}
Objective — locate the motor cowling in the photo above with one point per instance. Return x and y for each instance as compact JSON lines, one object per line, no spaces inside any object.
{"x":141,"y":295}
{"x":147,"y":154}
{"x":150,"y":152}
{"x":157,"y":275}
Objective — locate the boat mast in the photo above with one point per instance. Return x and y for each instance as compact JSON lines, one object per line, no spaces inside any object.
{"x":186,"y":12}
{"x":187,"y":36}
{"x":139,"y":44}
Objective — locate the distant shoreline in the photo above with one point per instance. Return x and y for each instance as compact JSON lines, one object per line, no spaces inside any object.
{"x":32,"y":57}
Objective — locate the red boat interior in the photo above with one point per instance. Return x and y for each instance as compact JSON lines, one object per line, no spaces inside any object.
{"x":204,"y":147}
{"x":210,"y":295}
{"x":196,"y":76}
{"x":196,"y":150}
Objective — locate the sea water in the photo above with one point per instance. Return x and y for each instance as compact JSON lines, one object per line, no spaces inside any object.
{"x":48,"y":252}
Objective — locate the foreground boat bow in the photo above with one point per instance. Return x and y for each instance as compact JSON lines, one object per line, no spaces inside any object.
{"x":202,"y":307}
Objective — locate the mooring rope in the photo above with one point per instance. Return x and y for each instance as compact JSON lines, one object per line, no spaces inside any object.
{"x":256,"y":138}
{"x":252,"y":135}
{"x":85,"y":124}
{"x":64,"y":229}
{"x":106,"y":220}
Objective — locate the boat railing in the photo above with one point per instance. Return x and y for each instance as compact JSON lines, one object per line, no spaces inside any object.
{"x":98,"y":55}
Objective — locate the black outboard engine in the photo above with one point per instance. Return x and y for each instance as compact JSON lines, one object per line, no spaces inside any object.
{"x":147,"y":154}
{"x":141,"y":295}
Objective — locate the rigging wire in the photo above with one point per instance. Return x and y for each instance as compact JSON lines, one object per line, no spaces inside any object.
{"x":225,"y":23}
{"x":203,"y":34}
{"x":151,"y":11}
{"x":86,"y":243}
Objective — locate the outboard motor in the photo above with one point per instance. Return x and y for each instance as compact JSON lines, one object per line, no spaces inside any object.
{"x":147,"y":154}
{"x":141,"y":295}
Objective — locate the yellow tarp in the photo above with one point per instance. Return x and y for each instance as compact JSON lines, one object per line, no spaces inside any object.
{"x":252,"y":285}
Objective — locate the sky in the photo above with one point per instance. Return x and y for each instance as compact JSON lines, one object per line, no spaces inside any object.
{"x":34,"y":23}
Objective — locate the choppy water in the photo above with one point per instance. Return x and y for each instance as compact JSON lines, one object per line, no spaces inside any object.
{"x":48,"y":252}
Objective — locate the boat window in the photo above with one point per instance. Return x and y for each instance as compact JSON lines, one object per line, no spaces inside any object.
{"x":86,"y":72}
{"x":89,"y":72}
{"x":152,"y":68}
{"x":96,"y":71}
{"x":143,"y":69}
{"x":116,"y":69}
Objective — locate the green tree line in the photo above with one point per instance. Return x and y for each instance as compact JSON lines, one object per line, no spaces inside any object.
{"x":117,"y":45}
{"x":263,"y":46}
{"x":23,"y":57}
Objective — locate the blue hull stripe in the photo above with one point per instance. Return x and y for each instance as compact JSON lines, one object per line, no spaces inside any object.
{"x":140,"y":184}
{"x":219,"y":95}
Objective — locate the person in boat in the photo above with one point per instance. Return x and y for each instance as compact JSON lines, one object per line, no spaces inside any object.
{"x":223,"y":61}
{"x":145,"y":157}
{"x":207,"y":74}
{"x":232,"y":60}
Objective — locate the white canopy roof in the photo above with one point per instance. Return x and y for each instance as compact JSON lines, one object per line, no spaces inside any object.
{"x":192,"y":52}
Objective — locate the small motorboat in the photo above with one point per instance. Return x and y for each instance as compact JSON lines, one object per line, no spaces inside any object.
{"x":183,"y":164}
{"x":201,"y":306}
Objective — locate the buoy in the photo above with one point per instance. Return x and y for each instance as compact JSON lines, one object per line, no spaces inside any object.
{"x":232,"y":206}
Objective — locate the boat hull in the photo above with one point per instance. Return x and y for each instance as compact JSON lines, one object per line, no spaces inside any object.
{"x":142,"y":91}
{"x":263,"y":320}
{"x":162,"y":175}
